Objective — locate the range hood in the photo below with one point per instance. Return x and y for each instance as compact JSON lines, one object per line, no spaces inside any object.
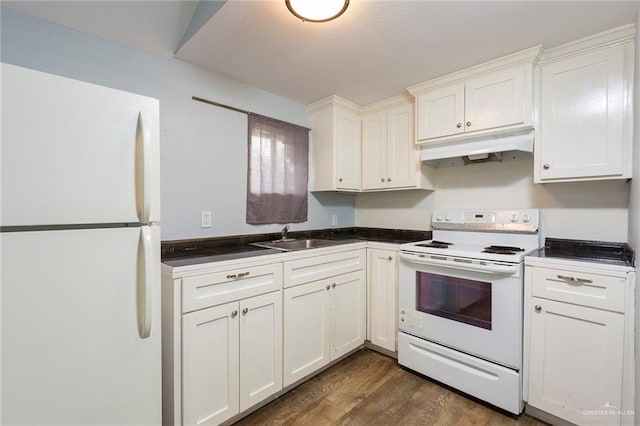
{"x":489,"y":148}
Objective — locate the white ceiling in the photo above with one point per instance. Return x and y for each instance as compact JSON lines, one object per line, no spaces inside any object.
{"x":374,"y":51}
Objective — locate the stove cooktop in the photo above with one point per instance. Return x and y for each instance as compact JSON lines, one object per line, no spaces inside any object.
{"x":497,"y":235}
{"x":471,"y":250}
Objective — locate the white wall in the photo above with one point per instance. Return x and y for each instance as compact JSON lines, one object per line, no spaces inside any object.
{"x":634,"y":208}
{"x":203,"y":148}
{"x":581,"y":210}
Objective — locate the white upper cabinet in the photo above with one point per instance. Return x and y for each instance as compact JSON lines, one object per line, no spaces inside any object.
{"x":389,"y":156}
{"x":490,"y":98}
{"x":441,"y":112}
{"x":586,"y":113}
{"x":368,"y":148}
{"x":335,"y":145}
{"x":374,"y":150}
{"x":495,"y":100}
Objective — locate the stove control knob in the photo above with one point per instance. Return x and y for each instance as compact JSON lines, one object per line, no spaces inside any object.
{"x":514,"y":218}
{"x":439,"y":218}
{"x":447,"y":217}
{"x":526,"y":218}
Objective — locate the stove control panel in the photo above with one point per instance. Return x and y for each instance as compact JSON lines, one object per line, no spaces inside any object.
{"x":487,"y":220}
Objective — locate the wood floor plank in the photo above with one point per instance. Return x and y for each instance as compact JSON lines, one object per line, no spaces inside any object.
{"x":372,"y":389}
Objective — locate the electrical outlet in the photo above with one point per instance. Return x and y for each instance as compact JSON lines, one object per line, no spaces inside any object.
{"x":205,"y":221}
{"x":334,"y":219}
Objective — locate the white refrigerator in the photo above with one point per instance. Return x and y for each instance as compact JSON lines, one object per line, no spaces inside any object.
{"x":80,"y":253}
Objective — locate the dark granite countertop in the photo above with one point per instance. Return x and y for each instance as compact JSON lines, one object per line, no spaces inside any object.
{"x":619,"y":254}
{"x":204,"y":250}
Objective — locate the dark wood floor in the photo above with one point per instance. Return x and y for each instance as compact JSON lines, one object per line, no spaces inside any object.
{"x":371,"y":389}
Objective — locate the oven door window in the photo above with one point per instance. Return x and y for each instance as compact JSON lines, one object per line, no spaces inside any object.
{"x":458,"y":299}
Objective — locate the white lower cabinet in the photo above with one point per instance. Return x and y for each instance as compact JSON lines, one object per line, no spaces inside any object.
{"x":347,"y":309}
{"x":211,"y":363}
{"x":306,"y":325}
{"x":221,"y":341}
{"x":323,"y":320}
{"x":232,"y":337}
{"x":232,"y":358}
{"x":576,"y":361}
{"x":578,"y":335}
{"x":382,"y":285}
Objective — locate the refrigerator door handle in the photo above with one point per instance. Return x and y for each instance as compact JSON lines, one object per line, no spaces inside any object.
{"x":145,"y":276}
{"x":143,"y":170}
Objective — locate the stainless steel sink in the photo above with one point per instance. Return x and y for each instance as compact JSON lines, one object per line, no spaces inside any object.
{"x":292,"y":245}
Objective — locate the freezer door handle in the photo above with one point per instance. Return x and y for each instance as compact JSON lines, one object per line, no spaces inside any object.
{"x":143,"y":170}
{"x":145,"y":276}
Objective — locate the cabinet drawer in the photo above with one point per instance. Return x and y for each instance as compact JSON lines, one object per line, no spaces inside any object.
{"x":221,"y":287}
{"x":573,"y":286}
{"x":319,"y":267}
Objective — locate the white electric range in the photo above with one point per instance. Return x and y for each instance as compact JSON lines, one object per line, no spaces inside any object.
{"x":461,"y":302}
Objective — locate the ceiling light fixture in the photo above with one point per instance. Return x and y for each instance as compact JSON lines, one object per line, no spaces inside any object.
{"x":317,"y":10}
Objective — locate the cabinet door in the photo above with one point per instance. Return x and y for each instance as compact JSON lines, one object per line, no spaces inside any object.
{"x":306,"y":329}
{"x":210,"y":369}
{"x":495,"y":100}
{"x":348,"y":316}
{"x":401,"y":156}
{"x":441,"y":112}
{"x":582,"y":117}
{"x":374,"y":151}
{"x":260,"y":348}
{"x":575,"y":365}
{"x":383,"y":283}
{"x":348,"y":150}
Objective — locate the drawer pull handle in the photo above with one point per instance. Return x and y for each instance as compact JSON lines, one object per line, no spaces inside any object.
{"x":234,"y":314}
{"x":244,"y":311}
{"x":574,"y":280}
{"x":538,"y":308}
{"x":328,"y":287}
{"x":237,"y":276}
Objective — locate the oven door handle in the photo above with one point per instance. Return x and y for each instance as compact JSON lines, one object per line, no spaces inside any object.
{"x":489,"y":268}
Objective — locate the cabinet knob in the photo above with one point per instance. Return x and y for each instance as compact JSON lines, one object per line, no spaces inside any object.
{"x":381,"y":179}
{"x":388,"y":179}
{"x":234,"y":314}
{"x":333,"y":285}
{"x":538,"y":308}
{"x":468,"y":124}
{"x":459,"y":125}
{"x":340,"y":180}
{"x":328,"y":287}
{"x":244,"y":311}
{"x":390,"y":258}
{"x":546,"y":166}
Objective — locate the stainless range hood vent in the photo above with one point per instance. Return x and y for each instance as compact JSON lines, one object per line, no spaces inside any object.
{"x":472,"y":151}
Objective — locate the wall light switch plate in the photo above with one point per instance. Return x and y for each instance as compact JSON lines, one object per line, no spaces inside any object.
{"x":205,"y":221}
{"x":334,"y":219}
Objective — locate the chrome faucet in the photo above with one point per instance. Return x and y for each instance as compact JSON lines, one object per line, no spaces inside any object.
{"x":283,"y":233}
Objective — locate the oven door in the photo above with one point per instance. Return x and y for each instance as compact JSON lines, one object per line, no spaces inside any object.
{"x":475,"y":311}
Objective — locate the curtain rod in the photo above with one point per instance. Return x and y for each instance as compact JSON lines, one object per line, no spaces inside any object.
{"x":232,"y":108}
{"x":218,"y":104}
